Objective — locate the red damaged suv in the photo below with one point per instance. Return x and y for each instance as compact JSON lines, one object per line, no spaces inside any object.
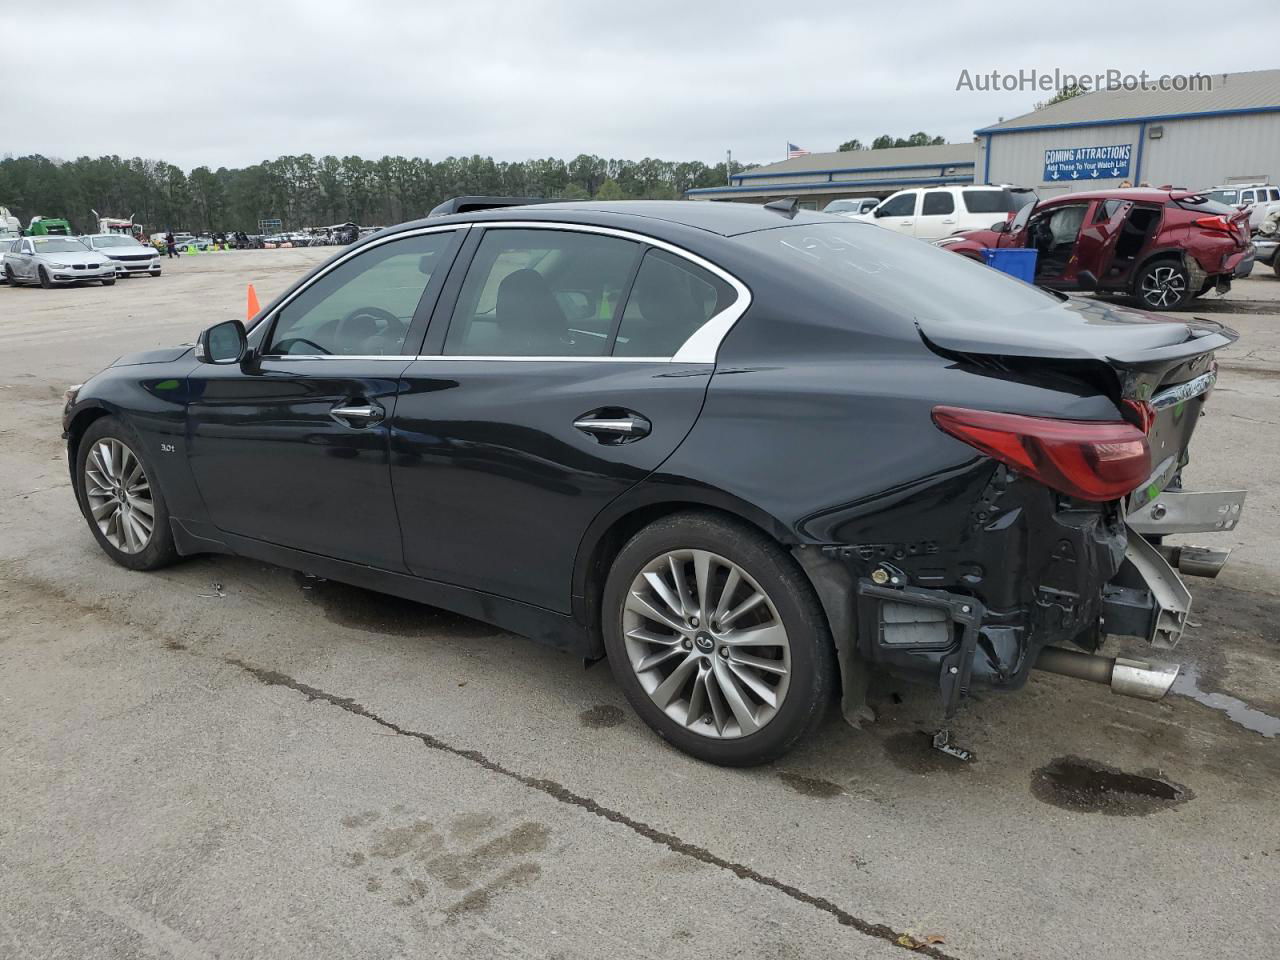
{"x":1161,"y":247}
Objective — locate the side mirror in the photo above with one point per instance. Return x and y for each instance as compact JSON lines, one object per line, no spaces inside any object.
{"x":1087,"y":280}
{"x":222,"y":343}
{"x":1001,"y":227}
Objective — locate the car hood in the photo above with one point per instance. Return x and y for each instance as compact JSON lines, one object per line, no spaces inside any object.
{"x":138,"y":251}
{"x":163,"y":355}
{"x":86,"y":257}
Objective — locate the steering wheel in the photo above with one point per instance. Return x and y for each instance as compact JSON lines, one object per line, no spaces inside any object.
{"x":393,"y":324}
{"x":286,"y":346}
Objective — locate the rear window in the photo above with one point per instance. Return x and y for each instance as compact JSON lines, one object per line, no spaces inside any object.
{"x":897,"y":272}
{"x":996,"y":201}
{"x":1207,"y":203}
{"x":1230,"y":197}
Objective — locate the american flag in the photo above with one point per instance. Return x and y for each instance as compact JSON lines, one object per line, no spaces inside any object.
{"x":793,"y":151}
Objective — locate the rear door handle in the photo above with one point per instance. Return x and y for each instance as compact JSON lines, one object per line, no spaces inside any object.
{"x":619,"y":429}
{"x":360,"y":415}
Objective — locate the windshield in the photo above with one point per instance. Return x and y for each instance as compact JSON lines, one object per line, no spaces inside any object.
{"x":1229,"y":197}
{"x":58,"y":245}
{"x":898,"y":272}
{"x":842,"y":206}
{"x":114,"y":241}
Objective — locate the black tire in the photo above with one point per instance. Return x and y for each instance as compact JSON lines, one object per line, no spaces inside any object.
{"x":9,"y":277}
{"x":160,"y":550}
{"x":44,"y":278}
{"x":109,"y":283}
{"x":1162,"y":285}
{"x":813,"y":671}
{"x":155,"y":273}
{"x":1275,"y":266}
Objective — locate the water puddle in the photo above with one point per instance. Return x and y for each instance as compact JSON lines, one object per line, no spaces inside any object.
{"x":1236,"y":710}
{"x":1087,"y":786}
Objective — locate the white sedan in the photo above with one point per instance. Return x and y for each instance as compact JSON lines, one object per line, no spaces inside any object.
{"x":129,"y":255}
{"x":51,"y":261}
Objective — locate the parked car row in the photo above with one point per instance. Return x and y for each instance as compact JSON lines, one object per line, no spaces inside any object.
{"x":56,"y":261}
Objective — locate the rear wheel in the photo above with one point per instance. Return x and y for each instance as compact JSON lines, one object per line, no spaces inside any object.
{"x":44,"y":278}
{"x":717,"y":639}
{"x":1163,"y":285}
{"x":120,"y":499}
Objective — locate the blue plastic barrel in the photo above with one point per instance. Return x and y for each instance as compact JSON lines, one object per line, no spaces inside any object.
{"x":1018,"y":262}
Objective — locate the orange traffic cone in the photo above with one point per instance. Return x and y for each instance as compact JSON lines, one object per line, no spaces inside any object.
{"x":253,"y":307}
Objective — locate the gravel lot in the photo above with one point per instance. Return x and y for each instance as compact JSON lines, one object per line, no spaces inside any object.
{"x":287,"y":767}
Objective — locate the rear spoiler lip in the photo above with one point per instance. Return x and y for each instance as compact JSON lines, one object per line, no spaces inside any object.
{"x":1207,"y":336}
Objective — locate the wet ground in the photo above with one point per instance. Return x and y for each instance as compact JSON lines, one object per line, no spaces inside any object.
{"x":224,"y":759}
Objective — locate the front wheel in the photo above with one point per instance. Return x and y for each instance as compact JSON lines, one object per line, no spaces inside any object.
{"x":120,"y":498}
{"x":1163,"y":285}
{"x":111,"y":282}
{"x":44,"y":278}
{"x":717,"y":639}
{"x":9,"y":275}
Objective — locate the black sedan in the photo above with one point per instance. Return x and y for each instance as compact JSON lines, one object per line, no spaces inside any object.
{"x":747,"y":453}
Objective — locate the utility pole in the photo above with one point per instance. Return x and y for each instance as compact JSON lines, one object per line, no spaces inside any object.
{"x":728,"y":168}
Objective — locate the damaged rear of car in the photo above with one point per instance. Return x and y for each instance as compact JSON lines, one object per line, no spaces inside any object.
{"x":959,"y":459}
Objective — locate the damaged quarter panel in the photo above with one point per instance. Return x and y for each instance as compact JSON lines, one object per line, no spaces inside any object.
{"x":832,"y":437}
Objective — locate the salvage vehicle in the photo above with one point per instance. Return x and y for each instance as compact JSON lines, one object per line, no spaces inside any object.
{"x":54,"y":261}
{"x":1160,"y":248}
{"x":129,"y":255}
{"x":746,"y":453}
{"x":932,"y":212}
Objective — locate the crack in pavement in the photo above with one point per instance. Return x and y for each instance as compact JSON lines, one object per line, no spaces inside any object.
{"x":563,"y":794}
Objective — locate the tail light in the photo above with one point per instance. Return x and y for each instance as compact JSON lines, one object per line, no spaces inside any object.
{"x":1214,"y":224}
{"x":1140,"y":413}
{"x":1086,"y":459}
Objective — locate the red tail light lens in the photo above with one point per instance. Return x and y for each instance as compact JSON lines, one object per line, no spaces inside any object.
{"x":1216,"y":224}
{"x":1140,"y":413}
{"x":1086,"y":459}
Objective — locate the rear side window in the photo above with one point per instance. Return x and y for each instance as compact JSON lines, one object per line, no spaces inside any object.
{"x":938,"y":203}
{"x":995,"y":201}
{"x":541,"y":293}
{"x":670,"y":300}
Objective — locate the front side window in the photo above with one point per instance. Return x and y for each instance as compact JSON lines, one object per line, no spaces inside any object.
{"x":541,"y":293}
{"x":938,"y":203}
{"x":903,"y":205}
{"x":670,"y":300}
{"x":364,"y":306}
{"x":1106,"y":210}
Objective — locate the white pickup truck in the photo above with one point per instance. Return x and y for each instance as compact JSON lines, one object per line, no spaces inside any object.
{"x":1258,"y":198}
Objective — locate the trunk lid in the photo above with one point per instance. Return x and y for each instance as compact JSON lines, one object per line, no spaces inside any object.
{"x":1141,"y":358}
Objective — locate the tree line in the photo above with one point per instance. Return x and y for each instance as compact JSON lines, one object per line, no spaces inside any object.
{"x":310,"y":191}
{"x":885,"y":141}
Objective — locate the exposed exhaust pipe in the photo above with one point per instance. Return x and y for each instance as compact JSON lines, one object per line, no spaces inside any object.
{"x":1129,"y":678}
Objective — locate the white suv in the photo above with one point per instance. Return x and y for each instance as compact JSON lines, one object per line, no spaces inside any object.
{"x":931,"y":213}
{"x":1259,"y":198}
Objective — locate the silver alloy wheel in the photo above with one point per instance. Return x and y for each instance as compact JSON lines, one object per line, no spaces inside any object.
{"x":1162,"y":286}
{"x":119,"y":495}
{"x":706,"y":643}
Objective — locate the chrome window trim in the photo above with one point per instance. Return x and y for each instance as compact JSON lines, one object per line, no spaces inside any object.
{"x":701,"y":347}
{"x":704,"y":344}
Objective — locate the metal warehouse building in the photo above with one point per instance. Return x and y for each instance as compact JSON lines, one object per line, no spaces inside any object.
{"x":1193,"y":138}
{"x":821,"y":177}
{"x":1196,"y":138}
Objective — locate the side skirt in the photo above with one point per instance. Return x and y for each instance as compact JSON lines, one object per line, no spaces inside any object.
{"x":554,"y":629}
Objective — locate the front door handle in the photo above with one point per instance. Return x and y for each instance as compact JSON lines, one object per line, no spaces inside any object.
{"x":614,"y":429}
{"x":360,"y":415}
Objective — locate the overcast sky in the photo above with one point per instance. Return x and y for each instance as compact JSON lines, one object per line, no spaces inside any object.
{"x":231,"y":83}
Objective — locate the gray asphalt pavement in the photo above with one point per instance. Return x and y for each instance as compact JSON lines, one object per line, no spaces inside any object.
{"x":224,"y":759}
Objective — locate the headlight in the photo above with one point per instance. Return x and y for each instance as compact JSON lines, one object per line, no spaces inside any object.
{"x":69,"y":395}
{"x":947,"y":241}
{"x":57,"y":266}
